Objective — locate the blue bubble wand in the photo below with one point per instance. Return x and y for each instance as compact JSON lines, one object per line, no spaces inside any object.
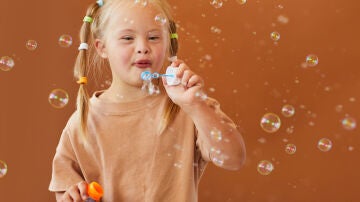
{"x":147,"y":75}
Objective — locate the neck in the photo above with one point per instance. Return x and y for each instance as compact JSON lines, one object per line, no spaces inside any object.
{"x":123,"y":93}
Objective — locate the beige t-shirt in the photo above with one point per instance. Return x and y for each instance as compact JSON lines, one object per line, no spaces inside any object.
{"x":127,"y":157}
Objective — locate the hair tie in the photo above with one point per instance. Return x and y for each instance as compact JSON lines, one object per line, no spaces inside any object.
{"x":83,"y":46}
{"x":88,"y":19}
{"x":82,"y":80}
{"x":172,"y":59}
{"x":100,"y":2}
{"x":174,"y":36}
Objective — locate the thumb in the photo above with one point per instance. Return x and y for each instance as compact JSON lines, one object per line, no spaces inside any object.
{"x":164,"y":82}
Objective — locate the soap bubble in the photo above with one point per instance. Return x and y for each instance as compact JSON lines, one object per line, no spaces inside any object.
{"x":241,"y":2}
{"x":58,"y":98}
{"x":31,"y":45}
{"x":349,"y":123}
{"x":6,"y":63}
{"x":65,"y":41}
{"x":216,"y":135}
{"x":160,"y":19}
{"x":312,"y":60}
{"x":216,"y":3}
{"x":288,"y":110}
{"x":265,"y":167}
{"x":141,"y":2}
{"x":275,"y":36}
{"x":3,"y":169}
{"x":290,"y":149}
{"x":324,"y":144}
{"x":270,"y":122}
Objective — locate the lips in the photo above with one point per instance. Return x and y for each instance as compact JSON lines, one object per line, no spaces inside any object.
{"x":142,"y":63}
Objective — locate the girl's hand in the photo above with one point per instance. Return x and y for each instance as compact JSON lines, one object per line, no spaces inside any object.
{"x":184,"y":94}
{"x":75,"y":193}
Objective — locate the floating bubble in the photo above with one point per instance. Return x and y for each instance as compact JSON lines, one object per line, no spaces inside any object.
{"x":290,"y":130}
{"x":349,"y":123}
{"x":216,"y":135}
{"x":58,"y":98}
{"x":160,"y":19}
{"x":6,"y":63}
{"x":216,"y":3}
{"x":150,"y":88}
{"x":339,"y":108}
{"x":275,"y":36}
{"x":270,"y":122}
{"x":216,"y":156}
{"x":31,"y":45}
{"x":324,"y":144}
{"x":265,"y":167}
{"x":290,"y":149}
{"x":215,"y":30}
{"x":200,"y":94}
{"x":351,"y":148}
{"x":282,"y":19}
{"x":178,"y":164}
{"x":288,"y":110}
{"x":312,"y":60}
{"x":241,"y":2}
{"x":65,"y":41}
{"x":218,"y":161}
{"x":141,"y":2}
{"x":3,"y":169}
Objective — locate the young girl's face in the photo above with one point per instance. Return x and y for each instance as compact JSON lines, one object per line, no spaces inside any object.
{"x":134,"y":42}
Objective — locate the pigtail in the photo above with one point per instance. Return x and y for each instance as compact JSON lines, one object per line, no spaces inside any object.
{"x":81,"y":68}
{"x":171,"y":109}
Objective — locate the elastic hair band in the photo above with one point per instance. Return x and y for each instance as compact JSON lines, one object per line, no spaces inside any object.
{"x":88,"y":19}
{"x":82,"y":80}
{"x":174,"y":36}
{"x":83,"y":46}
{"x":100,"y":2}
{"x":172,"y":59}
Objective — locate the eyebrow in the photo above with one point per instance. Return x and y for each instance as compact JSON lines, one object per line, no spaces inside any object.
{"x":131,"y":30}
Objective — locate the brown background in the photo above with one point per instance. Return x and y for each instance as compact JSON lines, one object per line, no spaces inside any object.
{"x":243,"y":68}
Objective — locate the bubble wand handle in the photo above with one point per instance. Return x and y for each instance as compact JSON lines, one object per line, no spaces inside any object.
{"x":94,"y":191}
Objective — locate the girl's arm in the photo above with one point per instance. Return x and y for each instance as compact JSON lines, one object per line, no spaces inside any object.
{"x":217,"y":133}
{"x":77,"y":192}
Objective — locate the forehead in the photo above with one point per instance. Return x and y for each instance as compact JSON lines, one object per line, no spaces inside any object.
{"x":138,"y":17}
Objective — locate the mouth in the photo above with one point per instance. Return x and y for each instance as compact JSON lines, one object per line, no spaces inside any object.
{"x":143,"y":63}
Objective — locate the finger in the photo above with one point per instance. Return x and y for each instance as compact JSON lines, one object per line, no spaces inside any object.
{"x":164,"y":81}
{"x":74,"y":193}
{"x":181,"y":70}
{"x":176,"y":63}
{"x":195,"y":80}
{"x":186,"y":76}
{"x":65,"y":198}
{"x":82,"y":186}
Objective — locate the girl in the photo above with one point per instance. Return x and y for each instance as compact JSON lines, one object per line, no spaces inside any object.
{"x":139,"y":147}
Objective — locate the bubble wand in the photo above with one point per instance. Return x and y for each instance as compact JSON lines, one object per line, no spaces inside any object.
{"x":94,"y":191}
{"x":170,"y":75}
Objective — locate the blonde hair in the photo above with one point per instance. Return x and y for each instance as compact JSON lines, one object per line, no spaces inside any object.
{"x":88,"y":62}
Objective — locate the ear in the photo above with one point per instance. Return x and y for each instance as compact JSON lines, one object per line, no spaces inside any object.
{"x":100,"y":48}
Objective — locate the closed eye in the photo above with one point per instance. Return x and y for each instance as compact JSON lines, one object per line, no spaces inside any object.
{"x":154,"y":38}
{"x":127,"y":38}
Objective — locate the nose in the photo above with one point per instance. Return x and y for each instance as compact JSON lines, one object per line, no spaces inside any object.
{"x":144,"y":51}
{"x":142,"y":47}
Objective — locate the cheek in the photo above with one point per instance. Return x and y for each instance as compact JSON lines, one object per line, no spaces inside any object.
{"x":161,"y":53}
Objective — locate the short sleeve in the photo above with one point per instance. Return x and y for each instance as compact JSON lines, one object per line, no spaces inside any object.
{"x":65,"y":168}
